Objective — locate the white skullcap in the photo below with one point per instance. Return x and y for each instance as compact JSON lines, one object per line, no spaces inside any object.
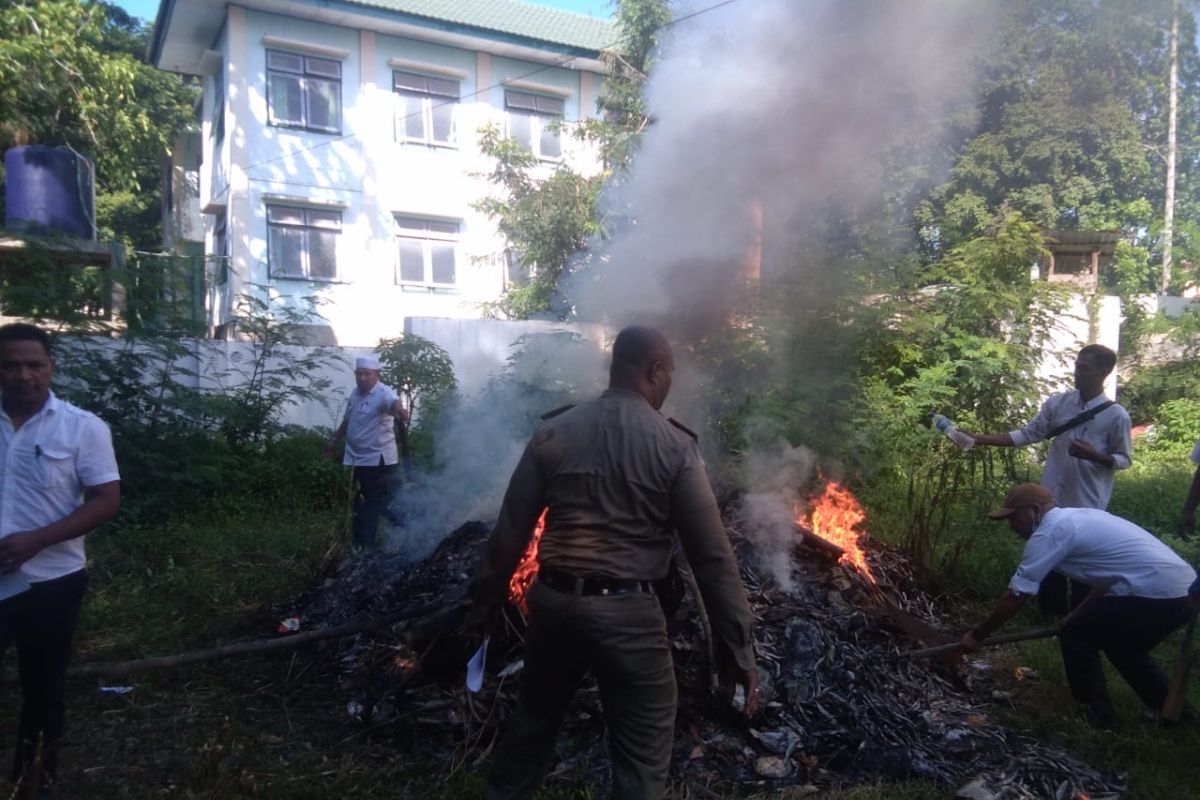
{"x":366,"y":362}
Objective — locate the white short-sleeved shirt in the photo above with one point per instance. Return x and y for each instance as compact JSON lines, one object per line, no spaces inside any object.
{"x":1077,"y":482}
{"x":44,"y":468}
{"x":1094,"y":546}
{"x":370,"y":433}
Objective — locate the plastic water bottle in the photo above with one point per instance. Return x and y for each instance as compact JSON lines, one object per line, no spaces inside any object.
{"x":946,"y":426}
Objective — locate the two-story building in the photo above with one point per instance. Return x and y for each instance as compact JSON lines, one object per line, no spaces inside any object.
{"x":336,"y":149}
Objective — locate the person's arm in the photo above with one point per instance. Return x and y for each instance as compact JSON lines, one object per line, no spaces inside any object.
{"x":399,"y":411}
{"x":1187,"y":518}
{"x":100,"y":504}
{"x":702,"y":534}
{"x":1035,"y":431}
{"x":1004,"y":610}
{"x":993,"y":439}
{"x":332,"y":442}
{"x":1118,"y":449}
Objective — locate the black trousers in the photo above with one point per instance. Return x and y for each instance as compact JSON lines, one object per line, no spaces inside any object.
{"x":41,"y":622}
{"x":1126,"y":629}
{"x":376,"y":486}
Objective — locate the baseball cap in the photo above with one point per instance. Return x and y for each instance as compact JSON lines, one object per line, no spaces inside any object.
{"x":1021,"y":496}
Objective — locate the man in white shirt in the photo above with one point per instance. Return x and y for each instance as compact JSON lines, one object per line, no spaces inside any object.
{"x":1141,"y":594}
{"x":58,"y":481}
{"x":1090,"y":442}
{"x":371,"y":450}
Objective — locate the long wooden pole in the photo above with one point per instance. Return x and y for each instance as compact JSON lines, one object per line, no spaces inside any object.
{"x":1004,"y":638}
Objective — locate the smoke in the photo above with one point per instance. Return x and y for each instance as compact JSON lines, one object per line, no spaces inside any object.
{"x":767,"y":117}
{"x":765,"y":114}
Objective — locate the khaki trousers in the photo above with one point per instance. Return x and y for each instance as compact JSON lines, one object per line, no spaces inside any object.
{"x":622,"y":639}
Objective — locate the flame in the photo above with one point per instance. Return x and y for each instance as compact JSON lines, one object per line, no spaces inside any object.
{"x":526,"y":571}
{"x":833,"y":517}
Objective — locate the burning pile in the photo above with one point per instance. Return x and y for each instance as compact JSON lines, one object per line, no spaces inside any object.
{"x":839,"y":703}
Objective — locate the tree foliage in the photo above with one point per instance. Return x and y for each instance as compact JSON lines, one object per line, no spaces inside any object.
{"x":72,"y":73}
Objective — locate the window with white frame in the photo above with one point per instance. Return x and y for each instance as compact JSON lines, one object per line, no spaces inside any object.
{"x":221,"y":248}
{"x":425,"y":108}
{"x":427,"y":251}
{"x":304,"y":92}
{"x":218,"y":109}
{"x":302,"y":242}
{"x":534,"y":121}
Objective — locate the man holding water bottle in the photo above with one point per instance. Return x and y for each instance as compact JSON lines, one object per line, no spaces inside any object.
{"x":1090,"y":441}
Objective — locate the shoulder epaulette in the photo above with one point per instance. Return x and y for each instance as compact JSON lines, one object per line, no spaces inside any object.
{"x":557,"y":411}
{"x":683,"y":428}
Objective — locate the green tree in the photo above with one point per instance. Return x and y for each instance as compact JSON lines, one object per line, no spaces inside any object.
{"x":422,"y":373}
{"x":72,"y":73}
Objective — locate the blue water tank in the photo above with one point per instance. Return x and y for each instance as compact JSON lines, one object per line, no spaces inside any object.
{"x":49,"y":189}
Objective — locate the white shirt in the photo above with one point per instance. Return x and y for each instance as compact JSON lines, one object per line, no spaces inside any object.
{"x":1196,"y":453}
{"x":1094,"y":546}
{"x":1077,"y":482}
{"x":369,"y":427}
{"x":44,"y":468}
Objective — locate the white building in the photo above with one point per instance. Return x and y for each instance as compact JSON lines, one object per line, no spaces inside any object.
{"x":337,"y":152}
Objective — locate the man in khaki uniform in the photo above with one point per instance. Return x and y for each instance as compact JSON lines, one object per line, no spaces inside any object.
{"x":618,"y":478}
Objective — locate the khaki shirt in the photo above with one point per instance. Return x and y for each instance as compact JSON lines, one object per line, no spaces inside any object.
{"x":618,"y":479}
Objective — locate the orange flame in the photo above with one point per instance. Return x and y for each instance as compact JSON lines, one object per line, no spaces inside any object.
{"x":527,"y":570}
{"x":833,"y":517}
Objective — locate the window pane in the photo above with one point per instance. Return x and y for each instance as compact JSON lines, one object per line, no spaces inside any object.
{"x":286,"y":248}
{"x":323,"y":66}
{"x":324,"y":100}
{"x":411,"y":223}
{"x":443,"y":87}
{"x":551,"y":105}
{"x":330,"y":220}
{"x":412,"y":117}
{"x":520,"y":128}
{"x":412,"y":261}
{"x":443,"y":119}
{"x":286,"y":104}
{"x":519,"y":100}
{"x":284,"y":61}
{"x":322,"y":254}
{"x":407,"y":80}
{"x":443,"y":262}
{"x":435,"y":226}
{"x":550,"y":143}
{"x":285,"y":214}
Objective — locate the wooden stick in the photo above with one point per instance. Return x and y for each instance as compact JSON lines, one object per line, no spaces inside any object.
{"x":823,"y":547}
{"x":1172,"y":708}
{"x":122,"y":668}
{"x":1004,"y":638}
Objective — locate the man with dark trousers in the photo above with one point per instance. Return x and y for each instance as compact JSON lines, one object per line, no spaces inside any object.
{"x":1144,"y":586}
{"x":617,"y":479}
{"x":58,"y":481}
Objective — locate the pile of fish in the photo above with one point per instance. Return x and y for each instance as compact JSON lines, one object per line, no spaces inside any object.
{"x":839,"y":702}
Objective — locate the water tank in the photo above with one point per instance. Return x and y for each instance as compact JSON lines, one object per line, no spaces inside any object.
{"x":49,"y":189}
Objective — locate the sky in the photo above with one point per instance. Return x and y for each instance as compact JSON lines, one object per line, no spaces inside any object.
{"x":147,"y":9}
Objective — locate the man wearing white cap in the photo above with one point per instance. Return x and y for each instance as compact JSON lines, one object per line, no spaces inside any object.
{"x":370,"y":438}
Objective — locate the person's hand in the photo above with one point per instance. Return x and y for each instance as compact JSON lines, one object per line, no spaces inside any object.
{"x":733,"y":675}
{"x":1187,"y":525}
{"x":969,"y":643}
{"x":328,"y":448}
{"x":17,"y":548}
{"x":481,"y":619}
{"x":1082,"y":449}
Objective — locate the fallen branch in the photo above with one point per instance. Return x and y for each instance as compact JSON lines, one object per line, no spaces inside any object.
{"x":823,"y":547}
{"x":122,"y":668}
{"x":1004,"y":638}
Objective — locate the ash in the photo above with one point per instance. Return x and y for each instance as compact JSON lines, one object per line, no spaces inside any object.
{"x":839,"y":704}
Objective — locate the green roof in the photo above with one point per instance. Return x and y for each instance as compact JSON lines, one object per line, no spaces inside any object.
{"x":511,"y":17}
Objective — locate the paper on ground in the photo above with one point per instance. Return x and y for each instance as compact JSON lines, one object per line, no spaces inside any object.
{"x":475,"y":667}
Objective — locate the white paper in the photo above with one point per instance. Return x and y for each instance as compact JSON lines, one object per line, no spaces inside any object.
{"x":12,"y":584}
{"x":475,"y":667}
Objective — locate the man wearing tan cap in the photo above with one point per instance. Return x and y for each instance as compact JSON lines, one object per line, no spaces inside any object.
{"x":370,"y":445}
{"x":1146,"y":597}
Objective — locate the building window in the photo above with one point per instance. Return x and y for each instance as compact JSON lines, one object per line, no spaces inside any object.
{"x":534,"y":121}
{"x":218,"y":109}
{"x":425,"y":108}
{"x":427,"y":251}
{"x":304,"y":92}
{"x":221,"y":248}
{"x":302,"y":242}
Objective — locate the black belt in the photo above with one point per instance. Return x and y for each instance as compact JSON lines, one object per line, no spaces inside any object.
{"x":571,"y":584}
